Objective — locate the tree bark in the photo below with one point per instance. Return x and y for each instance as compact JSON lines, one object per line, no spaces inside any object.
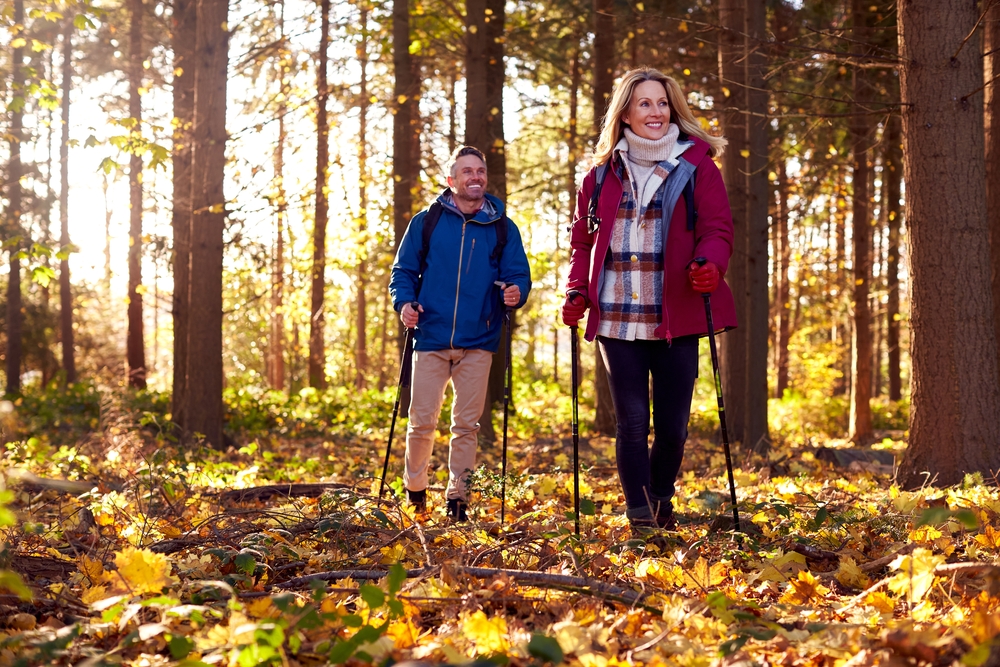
{"x":605,"y":57}
{"x":733,"y":346}
{"x":484,"y":77}
{"x":784,"y":256}
{"x":893,"y":173}
{"x":317,"y":318}
{"x":755,"y":432}
{"x":361,"y":349}
{"x":991,"y":62}
{"x":204,"y":372}
{"x":955,"y":388}
{"x":276,"y":367}
{"x":406,"y":93}
{"x":184,"y":36}
{"x":572,"y":142}
{"x":861,"y":343}
{"x":136,"y":347}
{"x":15,"y":170}
{"x":65,"y":293}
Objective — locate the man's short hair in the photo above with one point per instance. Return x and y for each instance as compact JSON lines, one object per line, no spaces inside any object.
{"x":462,"y":151}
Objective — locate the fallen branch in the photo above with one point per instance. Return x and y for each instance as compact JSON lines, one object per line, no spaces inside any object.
{"x":539,"y":579}
{"x":286,"y":490}
{"x":939,"y":571}
{"x":964,"y":568}
{"x":878,"y":564}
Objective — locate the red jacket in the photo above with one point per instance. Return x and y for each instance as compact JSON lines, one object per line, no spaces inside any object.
{"x":683,"y":308}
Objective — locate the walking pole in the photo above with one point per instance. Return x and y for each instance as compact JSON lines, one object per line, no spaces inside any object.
{"x":718,"y":392}
{"x":401,"y":384}
{"x":506,"y":408}
{"x":575,"y":353}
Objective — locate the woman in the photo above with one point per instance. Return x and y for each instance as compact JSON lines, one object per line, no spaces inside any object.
{"x":657,"y":235}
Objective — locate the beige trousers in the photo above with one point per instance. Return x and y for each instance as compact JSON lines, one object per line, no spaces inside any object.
{"x":469,"y":372}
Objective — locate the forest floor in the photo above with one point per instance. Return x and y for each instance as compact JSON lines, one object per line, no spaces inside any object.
{"x":279,"y":552}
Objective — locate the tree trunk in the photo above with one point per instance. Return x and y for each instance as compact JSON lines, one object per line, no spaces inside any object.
{"x":276,"y":365}
{"x":572,"y":142}
{"x":405,"y":140}
{"x":605,"y":57}
{"x":991,"y":62}
{"x":204,"y":372}
{"x":15,"y":170}
{"x":955,"y":385}
{"x":784,"y":256}
{"x":107,"y":236}
{"x":184,"y":35}
{"x":893,"y":169}
{"x":136,"y":347}
{"x":317,"y":319}
{"x":65,"y":293}
{"x":406,"y":121}
{"x":755,"y":432}
{"x":860,"y":428}
{"x":484,"y":77}
{"x":361,"y":349}
{"x":733,"y":347}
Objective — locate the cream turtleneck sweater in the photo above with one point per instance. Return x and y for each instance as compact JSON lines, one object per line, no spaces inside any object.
{"x":643,"y":156}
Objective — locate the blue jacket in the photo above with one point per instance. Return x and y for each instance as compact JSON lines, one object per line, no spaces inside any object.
{"x":462,"y":307}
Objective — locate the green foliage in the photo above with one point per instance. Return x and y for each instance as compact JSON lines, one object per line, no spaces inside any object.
{"x":338,"y":410}
{"x":799,"y":417}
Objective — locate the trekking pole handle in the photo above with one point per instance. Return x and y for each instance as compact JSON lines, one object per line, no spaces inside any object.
{"x":701,"y":261}
{"x":572,"y":294}
{"x":415,"y":305}
{"x":502,"y":285}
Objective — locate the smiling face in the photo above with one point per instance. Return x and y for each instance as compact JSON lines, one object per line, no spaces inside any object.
{"x":648,"y":111}
{"x":468,"y":182}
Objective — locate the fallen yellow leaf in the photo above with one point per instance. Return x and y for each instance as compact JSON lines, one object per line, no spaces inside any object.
{"x":141,"y":571}
{"x":804,"y":589}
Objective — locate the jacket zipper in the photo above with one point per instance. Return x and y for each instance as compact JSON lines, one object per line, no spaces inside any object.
{"x":458,"y":287}
{"x":472,"y":250}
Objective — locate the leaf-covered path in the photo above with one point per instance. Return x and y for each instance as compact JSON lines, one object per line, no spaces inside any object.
{"x":280,"y":553}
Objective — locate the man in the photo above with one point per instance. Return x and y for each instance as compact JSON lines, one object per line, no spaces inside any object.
{"x":452,"y":299}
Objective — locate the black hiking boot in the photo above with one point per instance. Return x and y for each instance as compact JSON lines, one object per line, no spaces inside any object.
{"x":457,"y":510}
{"x":418,"y":499}
{"x":659,"y":531}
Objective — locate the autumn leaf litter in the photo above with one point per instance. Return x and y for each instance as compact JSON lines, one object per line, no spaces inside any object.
{"x":158,"y":565}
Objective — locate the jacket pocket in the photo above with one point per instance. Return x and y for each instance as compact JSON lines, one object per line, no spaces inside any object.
{"x":472,"y":251}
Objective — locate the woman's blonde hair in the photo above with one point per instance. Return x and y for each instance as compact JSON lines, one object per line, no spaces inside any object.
{"x":614,"y":127}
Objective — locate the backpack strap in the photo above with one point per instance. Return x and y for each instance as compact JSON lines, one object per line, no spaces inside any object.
{"x":500,"y":225}
{"x":692,"y":213}
{"x":430,"y":222}
{"x":593,"y":221}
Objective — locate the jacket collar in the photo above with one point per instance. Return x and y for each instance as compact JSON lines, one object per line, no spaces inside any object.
{"x":491,"y":210}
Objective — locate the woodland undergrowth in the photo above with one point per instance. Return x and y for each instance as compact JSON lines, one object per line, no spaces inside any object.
{"x":131,"y":549}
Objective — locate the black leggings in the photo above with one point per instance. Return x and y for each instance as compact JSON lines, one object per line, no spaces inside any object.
{"x":674,"y":367}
